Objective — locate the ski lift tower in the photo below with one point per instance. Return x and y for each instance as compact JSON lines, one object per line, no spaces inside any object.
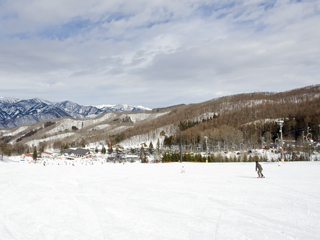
{"x":206,"y":146}
{"x":280,"y":122}
{"x":309,"y":135}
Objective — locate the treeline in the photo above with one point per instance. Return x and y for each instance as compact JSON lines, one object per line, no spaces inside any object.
{"x":19,"y":149}
{"x":238,"y":121}
{"x":175,"y":157}
{"x":7,"y":149}
{"x":250,"y":127}
{"x":247,"y":113}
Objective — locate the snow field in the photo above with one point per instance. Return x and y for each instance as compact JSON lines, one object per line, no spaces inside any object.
{"x":19,"y":130}
{"x":157,"y":201}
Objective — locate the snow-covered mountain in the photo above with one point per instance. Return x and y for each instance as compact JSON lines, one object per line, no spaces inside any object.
{"x":78,"y":111}
{"x":9,"y":100}
{"x":122,"y":108}
{"x":15,"y":112}
{"x":249,"y":111}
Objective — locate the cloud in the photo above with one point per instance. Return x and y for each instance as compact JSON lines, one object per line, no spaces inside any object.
{"x":156,"y":53}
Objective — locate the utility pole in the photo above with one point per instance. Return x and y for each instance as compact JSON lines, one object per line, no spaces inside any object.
{"x":180,"y":152}
{"x":309,"y":142}
{"x":280,"y":122}
{"x":206,"y":146}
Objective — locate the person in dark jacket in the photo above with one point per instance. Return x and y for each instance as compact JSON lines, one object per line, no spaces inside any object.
{"x":259,"y":169}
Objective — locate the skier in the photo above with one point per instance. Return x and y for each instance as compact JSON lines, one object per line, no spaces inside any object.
{"x":259,"y":170}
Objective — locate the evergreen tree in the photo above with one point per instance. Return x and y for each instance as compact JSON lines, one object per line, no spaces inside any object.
{"x":151,"y":149}
{"x":103,"y":150}
{"x":219,"y":157}
{"x":168,"y":141}
{"x":133,"y":150}
{"x":158,"y":146}
{"x":61,"y":149}
{"x":41,"y":149}
{"x":64,"y":147}
{"x":110,"y":150}
{"x":143,"y":156}
{"x":35,"y":154}
{"x":5,"y":149}
{"x":165,"y":158}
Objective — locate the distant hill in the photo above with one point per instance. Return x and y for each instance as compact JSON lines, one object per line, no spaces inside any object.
{"x":15,"y":112}
{"x":241,"y":121}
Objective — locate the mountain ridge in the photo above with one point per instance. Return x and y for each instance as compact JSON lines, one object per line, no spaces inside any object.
{"x":15,"y":112}
{"x":239,"y":121}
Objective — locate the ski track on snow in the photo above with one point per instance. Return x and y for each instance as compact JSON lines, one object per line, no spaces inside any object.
{"x":157,"y":201}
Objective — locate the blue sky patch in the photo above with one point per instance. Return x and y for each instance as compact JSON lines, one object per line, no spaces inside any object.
{"x":268,"y":5}
{"x":67,"y":30}
{"x":207,"y":10}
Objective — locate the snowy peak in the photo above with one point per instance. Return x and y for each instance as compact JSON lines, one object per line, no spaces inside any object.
{"x":39,"y":100}
{"x":104,"y":106}
{"x":15,"y":111}
{"x":145,"y":108}
{"x":78,"y":111}
{"x":16,"y":100}
{"x":9,"y":100}
{"x":122,"y":108}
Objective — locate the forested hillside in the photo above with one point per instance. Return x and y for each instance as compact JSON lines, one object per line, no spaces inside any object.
{"x":248,"y":119}
{"x":236,"y":122}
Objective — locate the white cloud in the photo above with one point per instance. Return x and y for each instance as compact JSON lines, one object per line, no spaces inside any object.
{"x":153,"y":53}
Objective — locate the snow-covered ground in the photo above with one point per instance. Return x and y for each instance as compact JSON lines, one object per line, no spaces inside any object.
{"x":99,"y":127}
{"x":157,"y":201}
{"x":19,"y":130}
{"x":37,"y":141}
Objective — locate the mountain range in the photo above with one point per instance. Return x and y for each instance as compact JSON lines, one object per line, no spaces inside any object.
{"x":15,"y":112}
{"x":242,"y":121}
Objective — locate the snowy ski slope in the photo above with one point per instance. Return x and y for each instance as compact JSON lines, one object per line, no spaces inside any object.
{"x":157,"y":201}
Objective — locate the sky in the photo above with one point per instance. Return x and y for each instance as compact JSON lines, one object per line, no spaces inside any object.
{"x":156,"y":53}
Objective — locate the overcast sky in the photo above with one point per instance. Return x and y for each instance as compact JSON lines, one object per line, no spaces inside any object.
{"x":156,"y":53}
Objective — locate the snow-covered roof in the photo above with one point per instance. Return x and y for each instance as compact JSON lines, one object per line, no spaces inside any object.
{"x":47,"y":153}
{"x":78,"y":151}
